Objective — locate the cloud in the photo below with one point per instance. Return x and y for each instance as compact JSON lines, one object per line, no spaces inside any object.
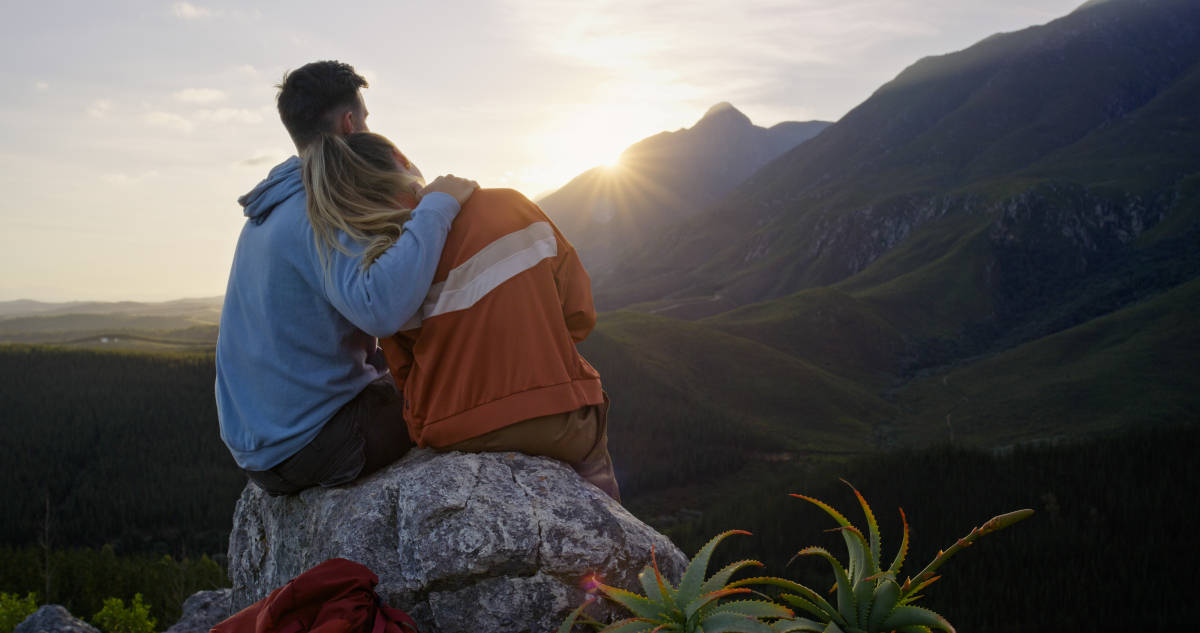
{"x":266,"y":157}
{"x":169,"y":120}
{"x":230,"y":115}
{"x":121,"y":179}
{"x":200,"y":95}
{"x":189,"y":11}
{"x":99,"y":108}
{"x":41,"y":86}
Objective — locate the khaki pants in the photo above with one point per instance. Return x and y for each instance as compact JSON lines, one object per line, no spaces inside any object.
{"x":579,"y":438}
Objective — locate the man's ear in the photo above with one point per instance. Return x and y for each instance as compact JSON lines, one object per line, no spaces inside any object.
{"x":345,"y":122}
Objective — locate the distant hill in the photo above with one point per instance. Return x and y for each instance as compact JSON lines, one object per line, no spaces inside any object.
{"x":122,"y":324}
{"x":666,"y":178}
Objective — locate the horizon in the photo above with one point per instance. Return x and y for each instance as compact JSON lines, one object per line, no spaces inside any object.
{"x":126,"y":145}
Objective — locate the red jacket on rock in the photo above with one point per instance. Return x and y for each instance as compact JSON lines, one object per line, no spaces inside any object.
{"x":494,"y":342}
{"x":337,"y":596}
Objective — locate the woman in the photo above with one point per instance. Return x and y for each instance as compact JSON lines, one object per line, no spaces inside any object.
{"x":489,"y":361}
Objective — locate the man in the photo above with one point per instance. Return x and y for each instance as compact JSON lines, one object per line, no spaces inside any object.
{"x":303,"y":392}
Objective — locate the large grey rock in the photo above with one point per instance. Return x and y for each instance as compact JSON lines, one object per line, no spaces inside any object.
{"x":478,"y":543}
{"x":53,"y":618}
{"x":204,"y":610}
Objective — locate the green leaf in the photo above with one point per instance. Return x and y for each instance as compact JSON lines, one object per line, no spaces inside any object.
{"x":797,"y":601}
{"x":832,"y":627}
{"x":637,"y":605}
{"x":903,"y":552}
{"x":829,"y":613}
{"x":872,"y":526}
{"x":754,"y":608}
{"x":700,"y":601}
{"x":650,"y":585}
{"x":693,"y":576}
{"x":863,"y":593}
{"x":733,"y":623}
{"x":916,"y":616}
{"x":914,"y":594}
{"x":718,"y":580}
{"x":798,"y":625}
{"x":629,"y":625}
{"x":571,"y":617}
{"x":887,"y":594}
{"x":845,"y":593}
{"x":913,"y":629}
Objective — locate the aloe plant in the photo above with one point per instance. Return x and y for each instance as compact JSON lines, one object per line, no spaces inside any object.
{"x":696,"y":605}
{"x":870,"y":598}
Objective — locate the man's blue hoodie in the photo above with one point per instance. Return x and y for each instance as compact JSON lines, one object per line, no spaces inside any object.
{"x":295,"y":345}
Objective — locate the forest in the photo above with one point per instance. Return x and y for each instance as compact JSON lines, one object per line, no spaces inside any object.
{"x":119,"y":484}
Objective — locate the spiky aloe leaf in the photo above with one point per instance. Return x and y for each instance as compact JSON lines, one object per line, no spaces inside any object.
{"x":901,"y":617}
{"x":650,"y":585}
{"x":629,"y":625}
{"x":903,"y":552}
{"x":883,"y":602}
{"x":571,"y":617}
{"x":913,"y":629}
{"x":708,"y":598}
{"x":754,"y":608}
{"x":832,"y":627}
{"x":797,"y":601}
{"x":826,"y":610}
{"x":665,"y":589}
{"x":798,"y":625}
{"x":860,"y":564}
{"x":845,"y":591}
{"x":719,"y":579}
{"x":693,"y":576}
{"x":856,"y":552}
{"x":872,"y":528}
{"x":914,"y":594}
{"x":733,"y":623}
{"x":637,"y":605}
{"x":864,"y":590}
{"x":992,"y":525}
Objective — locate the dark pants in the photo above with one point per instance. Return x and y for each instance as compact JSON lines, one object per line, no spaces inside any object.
{"x":365,"y":435}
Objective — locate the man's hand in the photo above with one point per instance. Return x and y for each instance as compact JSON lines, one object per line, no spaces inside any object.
{"x":460,"y":188}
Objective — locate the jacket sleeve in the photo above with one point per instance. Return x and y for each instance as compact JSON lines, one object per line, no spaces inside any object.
{"x":380,"y":299}
{"x":574,"y":291}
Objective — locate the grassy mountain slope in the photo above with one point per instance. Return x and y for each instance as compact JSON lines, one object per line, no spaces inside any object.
{"x":1006,"y":129}
{"x":1134,"y":367}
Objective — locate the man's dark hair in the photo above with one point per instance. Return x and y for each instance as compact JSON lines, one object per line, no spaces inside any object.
{"x":309,"y":96}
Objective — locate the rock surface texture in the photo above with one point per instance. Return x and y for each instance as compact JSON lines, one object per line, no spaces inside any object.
{"x":203,"y":610}
{"x":479,"y":543}
{"x":53,"y":618}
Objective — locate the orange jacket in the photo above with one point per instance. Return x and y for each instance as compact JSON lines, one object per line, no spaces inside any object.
{"x":494,"y":342}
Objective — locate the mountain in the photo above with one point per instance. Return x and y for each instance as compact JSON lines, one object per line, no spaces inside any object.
{"x":978,"y":189}
{"x":185,"y":323}
{"x":666,"y":178}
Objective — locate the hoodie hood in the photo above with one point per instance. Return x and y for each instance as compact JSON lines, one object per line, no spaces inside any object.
{"x":282,"y":183}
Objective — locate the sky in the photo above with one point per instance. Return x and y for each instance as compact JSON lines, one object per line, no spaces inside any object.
{"x":128,"y":129}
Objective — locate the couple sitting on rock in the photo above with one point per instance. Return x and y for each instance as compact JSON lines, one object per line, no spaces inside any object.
{"x":475,"y":296}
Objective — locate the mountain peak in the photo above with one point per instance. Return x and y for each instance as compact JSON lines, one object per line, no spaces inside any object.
{"x":724,"y":111}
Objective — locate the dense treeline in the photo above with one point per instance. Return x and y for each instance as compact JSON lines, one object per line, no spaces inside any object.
{"x":123,"y":450}
{"x":113,"y":448}
{"x":81,"y":578}
{"x":1111,"y":546}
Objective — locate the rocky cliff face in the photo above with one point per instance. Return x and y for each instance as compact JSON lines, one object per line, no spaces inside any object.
{"x":481,"y":543}
{"x":54,"y":618}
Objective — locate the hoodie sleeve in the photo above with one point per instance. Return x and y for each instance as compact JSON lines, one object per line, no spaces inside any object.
{"x":380,"y":299}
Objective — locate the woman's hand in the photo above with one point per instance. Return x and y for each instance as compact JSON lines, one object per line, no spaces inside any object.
{"x":460,"y":188}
